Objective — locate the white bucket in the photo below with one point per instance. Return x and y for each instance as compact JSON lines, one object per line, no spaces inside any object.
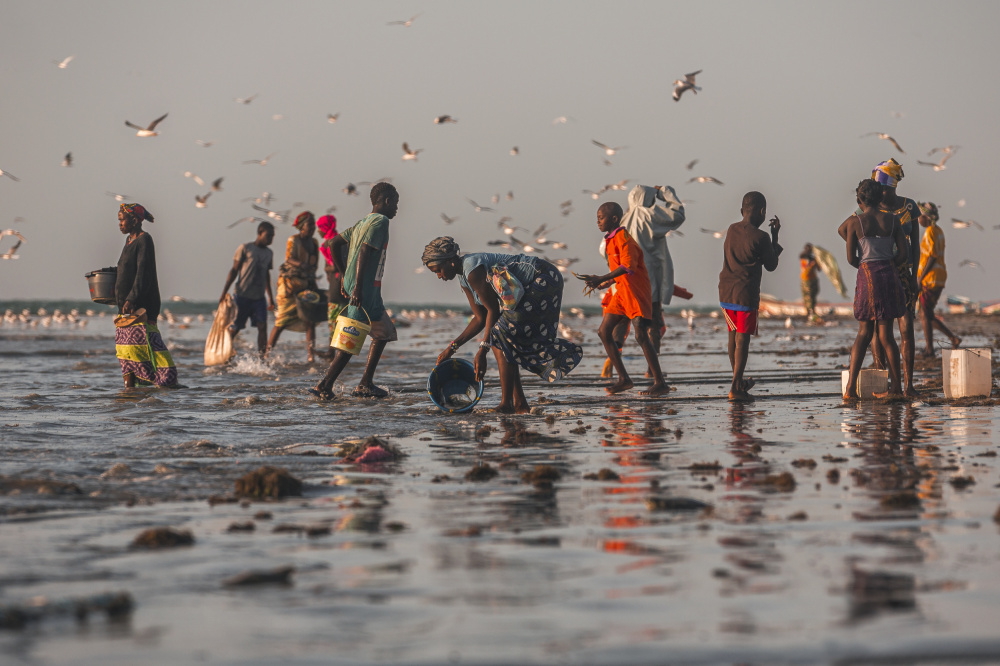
{"x":869,"y":383}
{"x":967,"y":372}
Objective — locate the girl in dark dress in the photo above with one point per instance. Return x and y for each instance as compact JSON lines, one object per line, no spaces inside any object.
{"x":139,"y":346}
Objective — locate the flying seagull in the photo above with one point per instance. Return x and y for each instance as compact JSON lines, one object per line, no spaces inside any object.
{"x":204,"y":144}
{"x":217,"y":184}
{"x":608,"y":150}
{"x":480,"y":209}
{"x":410,"y":154}
{"x":448,"y":220}
{"x":947,"y":150}
{"x":64,"y":63}
{"x":515,"y":151}
{"x":685,"y":84}
{"x":939,"y":166}
{"x":715,"y":234}
{"x":117,"y":197}
{"x":506,"y":228}
{"x":351,"y":189}
{"x":194,"y":176}
{"x":246,"y":100}
{"x":971,"y":264}
{"x":9,"y":175}
{"x":562,"y":120}
{"x":965,"y":224}
{"x":885,"y":137}
{"x":510,"y":195}
{"x":619,"y":186}
{"x":68,"y":160}
{"x":146,"y":131}
{"x":332,"y":117}
{"x":262,"y":162}
{"x":441,"y":120}
{"x":12,"y":252}
{"x":690,"y":165}
{"x":407,"y":23}
{"x":596,"y":195}
{"x":706,"y":179}
{"x":201,"y":201}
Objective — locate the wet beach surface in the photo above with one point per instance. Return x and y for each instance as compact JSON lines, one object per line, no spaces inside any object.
{"x":624,"y":530}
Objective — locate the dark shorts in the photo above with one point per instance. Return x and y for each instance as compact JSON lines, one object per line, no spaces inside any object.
{"x":256,"y":310}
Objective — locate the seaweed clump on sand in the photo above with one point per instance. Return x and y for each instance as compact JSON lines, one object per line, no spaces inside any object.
{"x":782,"y":483}
{"x":480,"y":472}
{"x":961,"y":482}
{"x":268,"y":482}
{"x":370,"y":450}
{"x":543,"y":476}
{"x":658,"y":503}
{"x":163,"y":537}
{"x":903,"y":500}
{"x":604,"y":474}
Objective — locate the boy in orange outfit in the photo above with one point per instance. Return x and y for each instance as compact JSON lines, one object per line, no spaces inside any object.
{"x":632,"y":299}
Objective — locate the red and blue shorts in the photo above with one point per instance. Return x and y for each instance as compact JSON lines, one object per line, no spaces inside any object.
{"x":741,"y":321}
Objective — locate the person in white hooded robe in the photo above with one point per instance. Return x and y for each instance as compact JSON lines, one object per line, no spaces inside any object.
{"x":653,"y":212}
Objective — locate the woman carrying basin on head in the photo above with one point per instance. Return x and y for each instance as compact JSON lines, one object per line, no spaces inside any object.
{"x":516,"y":299}
{"x":140,"y":349}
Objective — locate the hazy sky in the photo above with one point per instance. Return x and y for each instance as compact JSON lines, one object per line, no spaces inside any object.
{"x":789,"y":87}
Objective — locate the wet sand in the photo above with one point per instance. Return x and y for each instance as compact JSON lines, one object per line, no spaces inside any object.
{"x":793,"y":529}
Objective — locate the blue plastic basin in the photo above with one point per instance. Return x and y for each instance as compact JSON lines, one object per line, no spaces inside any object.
{"x":452,"y":386}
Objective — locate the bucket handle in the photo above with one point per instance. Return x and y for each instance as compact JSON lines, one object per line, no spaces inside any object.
{"x":363,"y":310}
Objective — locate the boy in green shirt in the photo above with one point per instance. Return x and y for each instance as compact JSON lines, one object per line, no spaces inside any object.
{"x":365,"y":247}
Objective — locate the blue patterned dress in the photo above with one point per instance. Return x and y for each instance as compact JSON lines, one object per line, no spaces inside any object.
{"x":526,"y":334}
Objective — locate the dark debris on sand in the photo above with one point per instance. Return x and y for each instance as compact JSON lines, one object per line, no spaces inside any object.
{"x":268,"y":482}
{"x":163,"y":537}
{"x":542,"y":475}
{"x":10,"y":485}
{"x":659,"y":503}
{"x":604,"y":474}
{"x":279,"y":576}
{"x":355,"y":450}
{"x":783,"y":483}
{"x":481,"y":472}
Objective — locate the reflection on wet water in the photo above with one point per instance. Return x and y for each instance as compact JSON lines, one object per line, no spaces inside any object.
{"x":615,"y":530}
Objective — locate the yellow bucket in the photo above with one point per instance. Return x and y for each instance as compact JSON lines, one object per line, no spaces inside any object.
{"x":349,"y":334}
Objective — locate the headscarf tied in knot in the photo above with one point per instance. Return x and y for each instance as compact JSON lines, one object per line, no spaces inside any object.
{"x":888,"y":173}
{"x":327,"y":226}
{"x":304,"y":216}
{"x":440,"y":249}
{"x":135,"y":211}
{"x":929,"y":209}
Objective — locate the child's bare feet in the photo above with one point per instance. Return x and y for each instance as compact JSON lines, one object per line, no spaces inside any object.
{"x":656,"y":389}
{"x":851,"y":397}
{"x":740,"y":396}
{"x":621,"y":385}
{"x":890,"y":395}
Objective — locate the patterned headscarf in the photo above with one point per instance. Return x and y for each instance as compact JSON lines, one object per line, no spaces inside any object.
{"x":304,"y":216}
{"x":327,"y":226}
{"x":440,"y":249}
{"x":888,"y":173}
{"x":135,"y":211}
{"x":929,"y":209}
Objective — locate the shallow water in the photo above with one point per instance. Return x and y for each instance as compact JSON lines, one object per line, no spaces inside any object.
{"x":422,"y":566}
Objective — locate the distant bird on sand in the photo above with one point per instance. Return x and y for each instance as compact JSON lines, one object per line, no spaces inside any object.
{"x":68,"y":160}
{"x":515,"y":151}
{"x":117,"y":197}
{"x":441,"y":120}
{"x":262,"y":162}
{"x":706,"y":179}
{"x":9,"y":175}
{"x":351,"y":189}
{"x":64,"y":63}
{"x":608,"y":150}
{"x":146,"y":131}
{"x":885,"y":137}
{"x":939,"y":166}
{"x":217,"y":184}
{"x":204,"y":144}
{"x":480,"y":209}
{"x":195,"y":177}
{"x":407,"y":23}
{"x":690,"y":165}
{"x":448,"y":220}
{"x":12,"y":252}
{"x":332,"y":117}
{"x":246,"y":100}
{"x":411,"y":154}
{"x":965,"y":224}
{"x":971,"y":264}
{"x":201,"y":201}
{"x":715,"y":234}
{"x":683,"y":85}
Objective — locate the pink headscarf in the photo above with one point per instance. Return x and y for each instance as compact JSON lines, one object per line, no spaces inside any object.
{"x":327,"y":226}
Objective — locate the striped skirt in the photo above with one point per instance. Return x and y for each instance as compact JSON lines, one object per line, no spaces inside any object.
{"x":141,"y":352}
{"x":878,"y":295}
